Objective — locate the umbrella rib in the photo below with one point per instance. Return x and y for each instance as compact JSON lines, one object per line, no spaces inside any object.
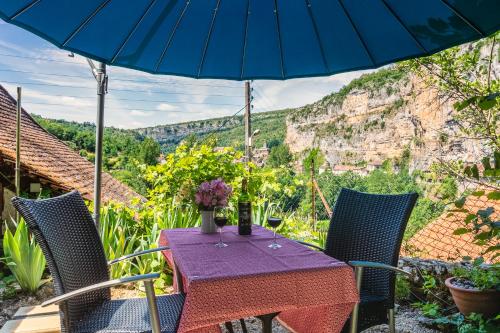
{"x":87,"y":20}
{"x":245,"y":42}
{"x":279,"y":38}
{"x":125,"y":41}
{"x":22,"y":10}
{"x":357,"y":32}
{"x":463,"y":18}
{"x":208,"y":38}
{"x":316,"y":32}
{"x":389,"y":8}
{"x":169,"y":41}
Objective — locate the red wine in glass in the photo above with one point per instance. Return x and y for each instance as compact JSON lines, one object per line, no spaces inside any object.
{"x":220,"y":220}
{"x":274,"y":222}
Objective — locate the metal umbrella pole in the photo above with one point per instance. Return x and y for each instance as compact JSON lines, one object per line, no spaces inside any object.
{"x":101,"y":77}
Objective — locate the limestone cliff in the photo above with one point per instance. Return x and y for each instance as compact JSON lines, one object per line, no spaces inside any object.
{"x":379,"y":117}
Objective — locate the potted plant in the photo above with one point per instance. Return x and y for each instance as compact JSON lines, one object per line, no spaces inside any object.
{"x":476,"y":289}
{"x":211,"y":194}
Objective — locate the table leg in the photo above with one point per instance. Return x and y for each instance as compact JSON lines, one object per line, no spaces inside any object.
{"x":267,"y":322}
{"x":178,"y":278}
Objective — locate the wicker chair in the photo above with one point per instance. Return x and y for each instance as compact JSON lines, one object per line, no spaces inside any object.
{"x":68,"y":237}
{"x":366,"y":230}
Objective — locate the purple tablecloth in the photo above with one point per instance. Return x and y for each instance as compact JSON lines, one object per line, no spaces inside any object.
{"x":248,"y":278}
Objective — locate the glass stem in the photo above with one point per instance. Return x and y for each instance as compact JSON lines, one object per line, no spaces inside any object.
{"x":275,"y":236}
{"x":220,"y":235}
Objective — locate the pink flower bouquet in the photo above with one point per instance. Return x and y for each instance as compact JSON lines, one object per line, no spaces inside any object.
{"x":213,"y":193}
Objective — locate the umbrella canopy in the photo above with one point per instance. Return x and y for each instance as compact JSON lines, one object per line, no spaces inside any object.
{"x":254,"y":39}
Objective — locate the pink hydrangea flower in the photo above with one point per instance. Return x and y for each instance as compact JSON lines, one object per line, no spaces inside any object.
{"x":213,"y":193}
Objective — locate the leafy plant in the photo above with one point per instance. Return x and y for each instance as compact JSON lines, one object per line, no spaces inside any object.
{"x":402,"y":288}
{"x":473,"y":323}
{"x":7,"y":286}
{"x":429,"y":309}
{"x":119,"y":237}
{"x":483,"y":278}
{"x":24,"y":257}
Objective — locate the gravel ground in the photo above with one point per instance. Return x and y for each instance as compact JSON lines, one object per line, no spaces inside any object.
{"x":9,"y":307}
{"x":407,"y":319}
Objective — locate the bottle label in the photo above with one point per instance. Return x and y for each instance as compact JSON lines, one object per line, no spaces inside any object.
{"x":244,"y":218}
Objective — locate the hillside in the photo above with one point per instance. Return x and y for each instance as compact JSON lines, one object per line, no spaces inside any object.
{"x":373,"y":118}
{"x":122,"y":149}
{"x":228,"y":130}
{"x":378,"y":116}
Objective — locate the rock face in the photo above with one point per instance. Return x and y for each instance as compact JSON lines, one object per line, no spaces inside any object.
{"x":367,"y":123}
{"x":173,"y":134}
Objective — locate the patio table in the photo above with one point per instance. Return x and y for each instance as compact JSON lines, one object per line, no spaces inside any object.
{"x":312,"y":291}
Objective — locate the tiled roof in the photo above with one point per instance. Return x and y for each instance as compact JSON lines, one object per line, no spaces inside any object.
{"x":47,"y":157}
{"x":436,"y":240}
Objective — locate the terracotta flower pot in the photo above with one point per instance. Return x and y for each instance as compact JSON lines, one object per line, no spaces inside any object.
{"x":485,"y":302}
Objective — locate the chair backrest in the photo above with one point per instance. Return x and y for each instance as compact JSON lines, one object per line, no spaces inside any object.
{"x":370,"y":227}
{"x":70,"y":242}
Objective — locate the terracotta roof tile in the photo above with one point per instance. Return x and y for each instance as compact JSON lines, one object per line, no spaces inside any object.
{"x":48,"y":157}
{"x":436,"y":240}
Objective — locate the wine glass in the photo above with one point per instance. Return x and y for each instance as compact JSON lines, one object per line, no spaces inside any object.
{"x":274,"y":222}
{"x":220,"y":220}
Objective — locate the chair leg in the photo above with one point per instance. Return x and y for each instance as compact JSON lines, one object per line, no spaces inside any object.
{"x":153,"y":306}
{"x":229,"y":326}
{"x":267,"y":322}
{"x":392,"y":321}
{"x":243,"y":325}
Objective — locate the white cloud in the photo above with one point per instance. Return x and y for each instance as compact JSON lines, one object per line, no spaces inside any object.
{"x":166,"y":107}
{"x":139,"y":113}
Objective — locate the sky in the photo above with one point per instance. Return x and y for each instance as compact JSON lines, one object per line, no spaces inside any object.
{"x":55,"y":85}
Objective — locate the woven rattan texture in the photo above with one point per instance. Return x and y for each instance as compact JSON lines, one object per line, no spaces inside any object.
{"x":132,"y":315}
{"x":65,"y":230}
{"x":370,"y":227}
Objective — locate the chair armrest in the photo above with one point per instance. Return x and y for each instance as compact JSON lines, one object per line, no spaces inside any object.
{"x":97,"y":286}
{"x":371,"y":264}
{"x":136,"y":254}
{"x":310,"y":245}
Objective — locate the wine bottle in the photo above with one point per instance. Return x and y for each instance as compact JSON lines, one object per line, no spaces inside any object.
{"x":244,"y":210}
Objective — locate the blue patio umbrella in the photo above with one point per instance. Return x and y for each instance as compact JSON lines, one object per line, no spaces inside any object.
{"x":253,"y":39}
{"x":249,"y":39}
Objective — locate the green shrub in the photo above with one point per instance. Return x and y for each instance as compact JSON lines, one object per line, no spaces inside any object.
{"x":402,"y":288}
{"x":24,"y":258}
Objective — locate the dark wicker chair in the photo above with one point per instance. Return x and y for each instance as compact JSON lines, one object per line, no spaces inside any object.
{"x":70,"y":242}
{"x":366,"y":230}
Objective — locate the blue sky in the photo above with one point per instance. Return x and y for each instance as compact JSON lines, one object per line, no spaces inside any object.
{"x":58,"y":86}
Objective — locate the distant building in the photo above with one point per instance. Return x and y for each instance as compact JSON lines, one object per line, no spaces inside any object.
{"x":342,"y":168}
{"x":46,"y":162}
{"x":260,"y":155}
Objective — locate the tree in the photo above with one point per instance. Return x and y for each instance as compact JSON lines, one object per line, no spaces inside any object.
{"x":467,"y":75}
{"x":280,"y":155}
{"x":149,"y":151}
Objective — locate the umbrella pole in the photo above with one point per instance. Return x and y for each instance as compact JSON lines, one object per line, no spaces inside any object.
{"x":102,"y":88}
